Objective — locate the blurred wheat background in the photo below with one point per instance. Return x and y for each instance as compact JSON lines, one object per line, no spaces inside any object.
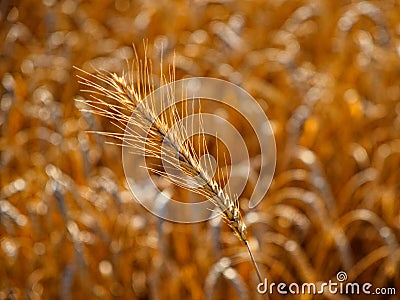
{"x":327,"y":74}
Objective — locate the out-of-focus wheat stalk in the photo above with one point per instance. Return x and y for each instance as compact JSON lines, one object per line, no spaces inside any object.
{"x":166,"y":137}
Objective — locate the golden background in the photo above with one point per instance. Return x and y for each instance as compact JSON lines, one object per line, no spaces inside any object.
{"x":325,"y":72}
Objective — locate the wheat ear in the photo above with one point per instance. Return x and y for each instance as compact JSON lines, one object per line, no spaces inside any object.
{"x":127,"y":93}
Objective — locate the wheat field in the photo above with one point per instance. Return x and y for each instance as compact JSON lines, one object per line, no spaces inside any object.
{"x":327,"y":75}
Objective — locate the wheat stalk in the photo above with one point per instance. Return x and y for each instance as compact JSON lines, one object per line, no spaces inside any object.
{"x":128,"y":92}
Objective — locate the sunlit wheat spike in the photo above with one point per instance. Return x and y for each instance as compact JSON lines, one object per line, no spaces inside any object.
{"x":121,"y":100}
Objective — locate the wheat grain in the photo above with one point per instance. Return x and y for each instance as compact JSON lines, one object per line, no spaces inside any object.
{"x":166,"y":138}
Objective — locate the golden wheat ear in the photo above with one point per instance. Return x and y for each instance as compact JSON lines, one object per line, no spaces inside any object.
{"x":120,"y":99}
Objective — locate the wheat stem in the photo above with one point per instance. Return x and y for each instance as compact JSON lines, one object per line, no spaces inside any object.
{"x":253,"y":261}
